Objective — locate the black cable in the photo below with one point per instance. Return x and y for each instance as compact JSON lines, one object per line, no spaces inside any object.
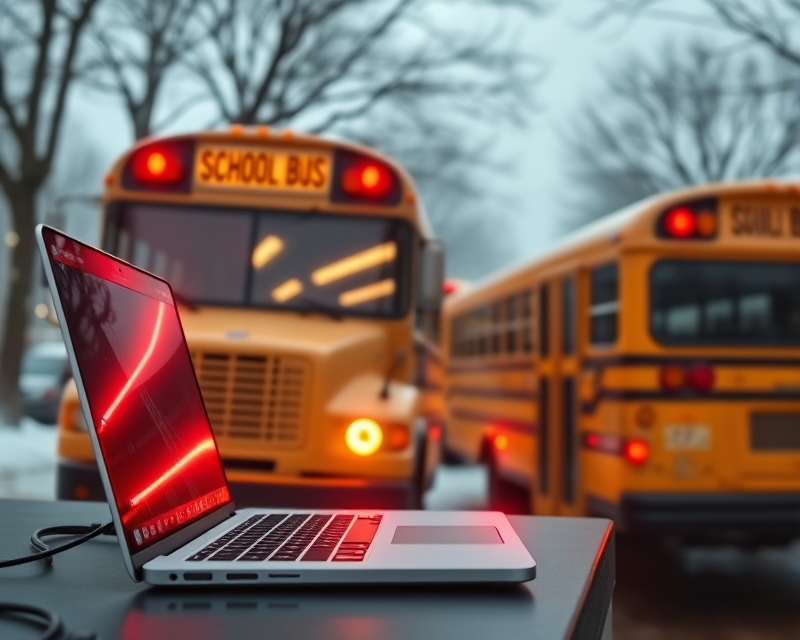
{"x":42,"y":617}
{"x":45,"y":552}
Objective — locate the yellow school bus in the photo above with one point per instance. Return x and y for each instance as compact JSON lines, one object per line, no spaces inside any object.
{"x":646,"y":369}
{"x":309,"y":285}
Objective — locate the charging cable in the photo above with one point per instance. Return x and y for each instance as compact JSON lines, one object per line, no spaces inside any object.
{"x":40,"y":616}
{"x":47,"y":619}
{"x":44,"y":552}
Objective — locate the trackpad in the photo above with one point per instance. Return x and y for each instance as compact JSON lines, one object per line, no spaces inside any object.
{"x":446,"y":535}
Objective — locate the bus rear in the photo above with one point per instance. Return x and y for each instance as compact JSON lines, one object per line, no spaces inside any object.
{"x":704,"y":379}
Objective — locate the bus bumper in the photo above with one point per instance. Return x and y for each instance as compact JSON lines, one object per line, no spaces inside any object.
{"x":81,"y":481}
{"x":761,"y":515}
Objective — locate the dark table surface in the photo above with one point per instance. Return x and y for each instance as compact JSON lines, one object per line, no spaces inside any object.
{"x":89,"y":587}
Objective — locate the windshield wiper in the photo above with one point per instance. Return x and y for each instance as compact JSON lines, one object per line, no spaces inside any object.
{"x":333,"y":312}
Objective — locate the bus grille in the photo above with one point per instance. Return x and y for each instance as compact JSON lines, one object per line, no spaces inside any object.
{"x":254,"y":398}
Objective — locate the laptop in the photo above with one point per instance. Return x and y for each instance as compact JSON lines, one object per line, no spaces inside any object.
{"x":166,"y":488}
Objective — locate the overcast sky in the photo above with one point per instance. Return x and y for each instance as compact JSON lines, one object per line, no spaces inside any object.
{"x":574,"y":56}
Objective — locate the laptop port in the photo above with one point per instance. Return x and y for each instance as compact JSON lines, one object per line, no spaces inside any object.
{"x":284,"y":575}
{"x":194,"y":577}
{"x":242,"y":576}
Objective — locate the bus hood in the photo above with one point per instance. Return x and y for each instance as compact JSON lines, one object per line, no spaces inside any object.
{"x":243,"y":330}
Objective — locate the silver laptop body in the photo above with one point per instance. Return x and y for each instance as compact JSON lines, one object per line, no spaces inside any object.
{"x":163,"y":476}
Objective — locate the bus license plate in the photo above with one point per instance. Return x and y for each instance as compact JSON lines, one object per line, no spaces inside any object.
{"x":683,"y":437}
{"x":262,"y":168}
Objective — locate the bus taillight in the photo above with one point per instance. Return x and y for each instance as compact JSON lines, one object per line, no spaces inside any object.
{"x":636,"y":451}
{"x":700,"y":378}
{"x":672,"y":378}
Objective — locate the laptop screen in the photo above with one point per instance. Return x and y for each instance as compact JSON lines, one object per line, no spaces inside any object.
{"x":156,"y":441}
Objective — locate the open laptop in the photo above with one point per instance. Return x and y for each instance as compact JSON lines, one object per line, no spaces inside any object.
{"x":163,"y":476}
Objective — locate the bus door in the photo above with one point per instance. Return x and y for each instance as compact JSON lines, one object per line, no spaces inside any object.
{"x":568,"y":368}
{"x":543,"y":494}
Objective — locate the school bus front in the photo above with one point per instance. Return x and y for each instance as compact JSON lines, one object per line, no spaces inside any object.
{"x":296,"y":263}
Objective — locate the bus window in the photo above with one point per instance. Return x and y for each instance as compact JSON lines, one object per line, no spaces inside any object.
{"x":735,"y":303}
{"x":527,"y":322}
{"x":544,"y":321}
{"x":483,"y":331}
{"x":568,"y":316}
{"x":202,"y":241}
{"x":511,"y":324}
{"x":604,"y":305}
{"x":497,"y":328}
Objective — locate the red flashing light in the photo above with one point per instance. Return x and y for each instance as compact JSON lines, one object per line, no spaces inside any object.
{"x":700,"y":378}
{"x":636,"y":451}
{"x":680,"y":223}
{"x":435,"y":432}
{"x":449,"y":287}
{"x":368,"y":179}
{"x":592,"y":441}
{"x":157,"y":165}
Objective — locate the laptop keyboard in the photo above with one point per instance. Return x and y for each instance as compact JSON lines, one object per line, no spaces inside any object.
{"x":289,"y":537}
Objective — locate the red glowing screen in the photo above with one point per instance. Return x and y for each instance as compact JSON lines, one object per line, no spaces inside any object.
{"x":146,"y":407}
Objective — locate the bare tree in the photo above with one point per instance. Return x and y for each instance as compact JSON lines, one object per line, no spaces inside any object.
{"x":137,"y":46}
{"x":39,"y":45}
{"x":333,"y":61}
{"x":694,"y":116}
{"x":769,"y":23}
{"x":386,"y":72}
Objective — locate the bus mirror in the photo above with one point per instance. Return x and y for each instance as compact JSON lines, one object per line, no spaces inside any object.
{"x":431,"y":276}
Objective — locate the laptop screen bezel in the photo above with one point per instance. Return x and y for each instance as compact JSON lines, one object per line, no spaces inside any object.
{"x":116,"y":274}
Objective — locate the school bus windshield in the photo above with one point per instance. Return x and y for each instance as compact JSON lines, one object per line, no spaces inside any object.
{"x":730,"y":303}
{"x":298,"y":260}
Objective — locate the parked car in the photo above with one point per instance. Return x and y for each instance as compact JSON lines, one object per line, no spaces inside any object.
{"x":45,"y":369}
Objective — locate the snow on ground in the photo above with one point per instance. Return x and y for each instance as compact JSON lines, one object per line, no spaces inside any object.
{"x":28,"y":460}
{"x":454,"y":488}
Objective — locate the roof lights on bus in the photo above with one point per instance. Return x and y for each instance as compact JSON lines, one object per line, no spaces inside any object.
{"x":355,"y":263}
{"x":680,"y":222}
{"x":381,"y":289}
{"x":636,"y":451}
{"x":368,"y":180}
{"x":692,"y":221}
{"x":364,"y":437}
{"x":706,"y":224}
{"x":266,"y":250}
{"x":700,"y":378}
{"x":287,"y":290}
{"x":157,"y":165}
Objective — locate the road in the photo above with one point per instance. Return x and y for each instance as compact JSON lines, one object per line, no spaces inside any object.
{"x":721,"y":593}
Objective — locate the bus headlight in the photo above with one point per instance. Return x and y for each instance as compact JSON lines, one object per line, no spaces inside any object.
{"x":364,"y":436}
